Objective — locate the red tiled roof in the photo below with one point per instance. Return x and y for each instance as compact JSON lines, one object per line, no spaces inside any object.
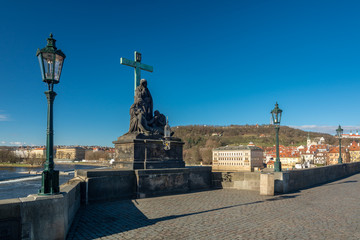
{"x":354,"y":148}
{"x":336,"y":150}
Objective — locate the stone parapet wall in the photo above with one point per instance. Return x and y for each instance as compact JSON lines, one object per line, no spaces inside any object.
{"x":237,"y":180}
{"x":294,"y":180}
{"x":156,"y":182}
{"x":109,"y":185}
{"x":40,"y":217}
{"x":200,"y":178}
{"x":106,"y":184}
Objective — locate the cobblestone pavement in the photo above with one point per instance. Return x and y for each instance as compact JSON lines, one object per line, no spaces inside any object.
{"x":330,"y":211}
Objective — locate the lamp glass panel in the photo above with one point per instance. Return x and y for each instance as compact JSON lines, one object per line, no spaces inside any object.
{"x":58,"y":66}
{"x":338,"y":131}
{"x":41,"y":66}
{"x":48,"y":60}
{"x":279,"y":117}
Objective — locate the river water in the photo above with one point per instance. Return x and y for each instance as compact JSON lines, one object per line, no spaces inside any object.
{"x":16,"y":182}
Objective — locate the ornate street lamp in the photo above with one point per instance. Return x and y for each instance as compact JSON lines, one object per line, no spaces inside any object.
{"x":276,"y":117}
{"x":167,"y":134}
{"x":51,"y":61}
{"x":167,"y":129}
{"x":339,"y":133}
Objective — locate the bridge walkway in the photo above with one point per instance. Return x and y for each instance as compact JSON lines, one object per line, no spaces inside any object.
{"x":330,"y":211}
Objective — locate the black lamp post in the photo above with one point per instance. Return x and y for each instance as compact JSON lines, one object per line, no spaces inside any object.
{"x":51,"y":61}
{"x":276,"y":117}
{"x":339,"y":133}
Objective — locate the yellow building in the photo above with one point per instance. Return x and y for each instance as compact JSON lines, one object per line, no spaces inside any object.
{"x":289,"y":161}
{"x":354,"y":151}
{"x":237,"y":158}
{"x":333,"y":156}
{"x":38,"y":152}
{"x":73,"y":153}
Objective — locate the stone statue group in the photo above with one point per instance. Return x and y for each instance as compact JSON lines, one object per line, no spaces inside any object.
{"x":142,"y":119}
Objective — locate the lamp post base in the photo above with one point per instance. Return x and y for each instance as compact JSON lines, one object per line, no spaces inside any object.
{"x":50,"y":183}
{"x":277,"y":166}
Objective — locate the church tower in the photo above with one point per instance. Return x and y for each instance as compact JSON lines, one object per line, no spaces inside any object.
{"x":308,"y":140}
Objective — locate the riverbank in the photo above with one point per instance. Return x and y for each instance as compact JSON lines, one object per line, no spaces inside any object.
{"x":19,"y":165}
{"x":99,"y":164}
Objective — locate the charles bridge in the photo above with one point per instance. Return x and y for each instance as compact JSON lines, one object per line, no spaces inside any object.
{"x":192,"y":203}
{"x":154,"y":196}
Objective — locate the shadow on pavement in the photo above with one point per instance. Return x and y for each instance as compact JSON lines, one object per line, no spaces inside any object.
{"x":342,"y":182}
{"x":217,"y":209}
{"x":104,"y":219}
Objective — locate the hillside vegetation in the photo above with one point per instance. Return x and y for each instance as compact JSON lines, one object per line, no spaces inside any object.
{"x":201,"y":139}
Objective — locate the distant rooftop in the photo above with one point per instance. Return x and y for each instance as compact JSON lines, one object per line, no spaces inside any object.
{"x":240,"y":147}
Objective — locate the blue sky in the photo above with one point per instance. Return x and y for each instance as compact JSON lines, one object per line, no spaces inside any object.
{"x":215,"y":63}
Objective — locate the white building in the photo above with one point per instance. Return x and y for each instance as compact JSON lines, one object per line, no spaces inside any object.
{"x":22,"y":153}
{"x":237,"y":158}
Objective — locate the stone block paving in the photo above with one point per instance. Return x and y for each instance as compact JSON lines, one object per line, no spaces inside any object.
{"x":330,"y":211}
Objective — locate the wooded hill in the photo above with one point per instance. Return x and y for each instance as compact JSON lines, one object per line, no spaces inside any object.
{"x":201,"y":139}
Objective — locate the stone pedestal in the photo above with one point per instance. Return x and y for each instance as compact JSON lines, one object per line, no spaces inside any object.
{"x":137,"y":151}
{"x":267,"y":184}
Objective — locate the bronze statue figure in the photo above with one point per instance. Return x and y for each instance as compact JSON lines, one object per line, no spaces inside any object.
{"x":142,"y":119}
